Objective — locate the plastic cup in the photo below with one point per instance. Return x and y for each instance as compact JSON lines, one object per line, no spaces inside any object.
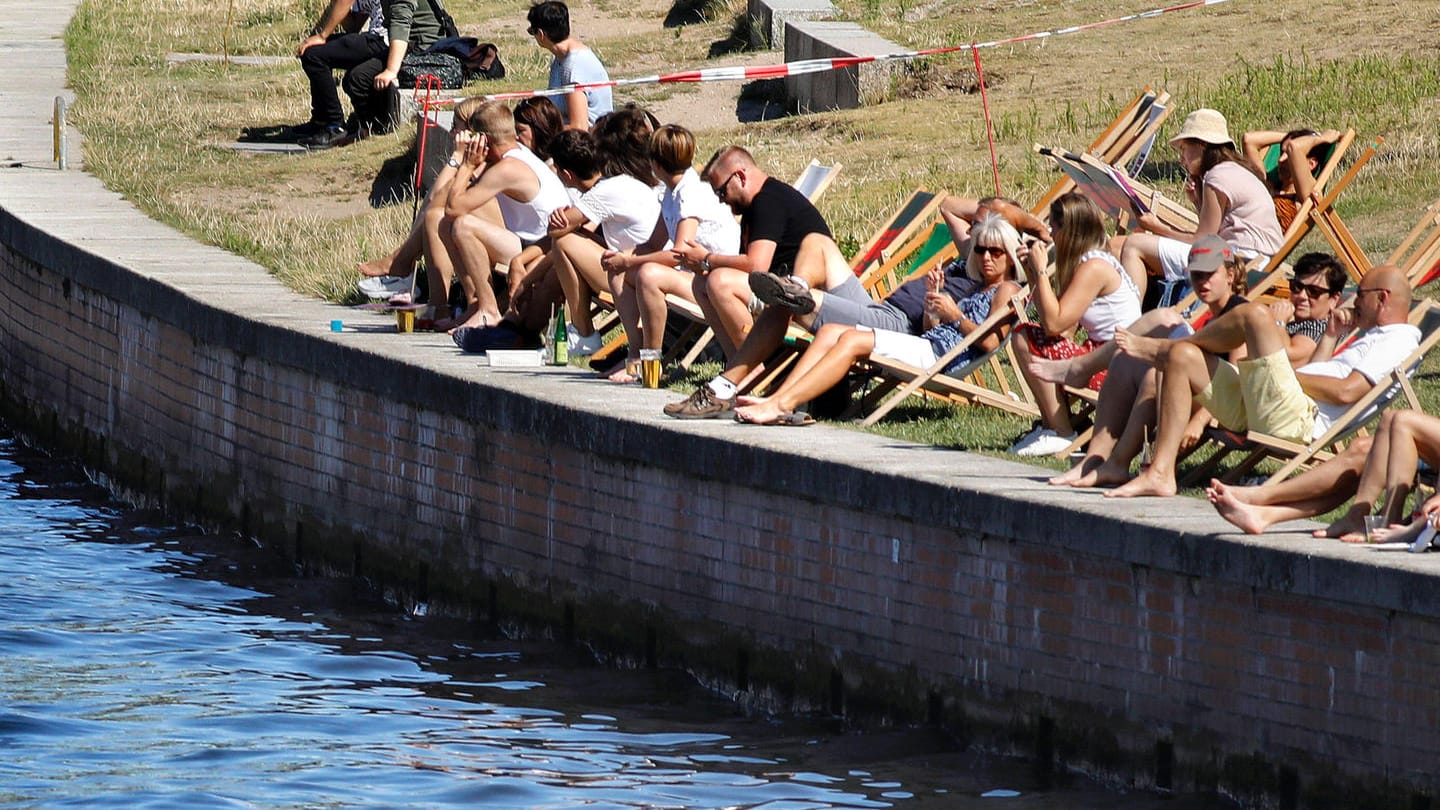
{"x":1373,"y":522}
{"x":337,"y":325}
{"x":404,"y":320}
{"x":650,"y":368}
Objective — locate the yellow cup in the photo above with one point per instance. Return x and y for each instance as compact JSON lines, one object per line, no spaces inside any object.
{"x":404,"y":320}
{"x":650,"y":368}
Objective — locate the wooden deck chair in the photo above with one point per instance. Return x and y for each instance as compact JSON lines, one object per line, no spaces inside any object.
{"x":917,"y":255}
{"x":1418,"y":254}
{"x":1425,"y":315}
{"x":1316,"y":212}
{"x":912,"y":214}
{"x":816,"y":177}
{"x":901,"y":380}
{"x":1125,"y":142}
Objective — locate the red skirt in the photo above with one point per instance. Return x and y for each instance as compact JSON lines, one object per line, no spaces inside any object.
{"x":1059,"y":347}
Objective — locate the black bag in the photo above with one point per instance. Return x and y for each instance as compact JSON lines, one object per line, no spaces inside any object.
{"x":449,"y":70}
{"x":480,"y":60}
{"x":447,"y":23}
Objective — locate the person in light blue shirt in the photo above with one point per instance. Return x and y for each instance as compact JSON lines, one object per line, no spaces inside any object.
{"x":573,"y":63}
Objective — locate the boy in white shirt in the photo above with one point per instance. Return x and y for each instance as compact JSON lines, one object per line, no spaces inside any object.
{"x":624,"y":209}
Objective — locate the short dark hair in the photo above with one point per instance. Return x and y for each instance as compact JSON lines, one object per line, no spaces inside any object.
{"x":576,"y":152}
{"x":1312,"y":263}
{"x":551,"y":17}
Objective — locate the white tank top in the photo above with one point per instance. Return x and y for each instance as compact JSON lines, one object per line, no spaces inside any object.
{"x":530,"y":220}
{"x":1110,"y":312}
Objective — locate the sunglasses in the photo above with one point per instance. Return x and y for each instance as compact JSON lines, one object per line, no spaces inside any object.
{"x":991,"y":251}
{"x":1312,"y":290}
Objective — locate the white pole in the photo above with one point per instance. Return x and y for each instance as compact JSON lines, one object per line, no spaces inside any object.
{"x":61,"y":159}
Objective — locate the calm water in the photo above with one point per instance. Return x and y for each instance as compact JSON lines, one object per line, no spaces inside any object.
{"x":142,"y":664}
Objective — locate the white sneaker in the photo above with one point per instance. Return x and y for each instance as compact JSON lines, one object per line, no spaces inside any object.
{"x":581,"y":346}
{"x":1044,"y":443}
{"x":385,"y":286}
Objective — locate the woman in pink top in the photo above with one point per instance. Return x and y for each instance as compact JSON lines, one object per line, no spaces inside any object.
{"x":1230,"y":195}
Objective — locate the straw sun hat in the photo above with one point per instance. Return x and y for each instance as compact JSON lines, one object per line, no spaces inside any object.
{"x":1205,"y":125}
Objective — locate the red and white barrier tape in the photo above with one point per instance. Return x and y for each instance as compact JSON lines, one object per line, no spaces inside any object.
{"x":818,"y":65}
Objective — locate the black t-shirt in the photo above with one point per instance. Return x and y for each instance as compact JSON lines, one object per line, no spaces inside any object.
{"x":782,"y":215}
{"x":909,"y":297}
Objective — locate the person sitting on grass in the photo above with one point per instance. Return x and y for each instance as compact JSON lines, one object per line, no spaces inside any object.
{"x":995,"y":255}
{"x":1368,"y":468}
{"x":1263,"y":392}
{"x":1293,"y":179}
{"x":1093,"y":292}
{"x":1126,"y":408}
{"x":692,"y":214}
{"x":622,"y":207}
{"x":1227,"y":191}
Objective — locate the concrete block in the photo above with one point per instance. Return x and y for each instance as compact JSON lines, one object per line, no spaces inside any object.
{"x":844,"y":89}
{"x":768,"y":17}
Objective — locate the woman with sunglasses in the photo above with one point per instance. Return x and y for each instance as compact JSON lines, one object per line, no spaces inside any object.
{"x":995,"y":254}
{"x":1090,"y":290}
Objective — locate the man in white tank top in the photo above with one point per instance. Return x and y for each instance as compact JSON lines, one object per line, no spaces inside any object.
{"x":499,"y":202}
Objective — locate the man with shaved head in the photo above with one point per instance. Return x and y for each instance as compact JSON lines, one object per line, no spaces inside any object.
{"x":1262,"y":392}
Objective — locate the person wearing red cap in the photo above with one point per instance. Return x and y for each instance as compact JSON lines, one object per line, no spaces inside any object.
{"x":1264,"y":392}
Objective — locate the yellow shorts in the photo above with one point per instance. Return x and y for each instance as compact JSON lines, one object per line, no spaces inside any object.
{"x":1262,"y":395}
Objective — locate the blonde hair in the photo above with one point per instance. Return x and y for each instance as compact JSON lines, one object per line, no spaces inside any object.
{"x":989,"y":229}
{"x":492,"y":119}
{"x":1081,"y":230}
{"x":673,"y":148}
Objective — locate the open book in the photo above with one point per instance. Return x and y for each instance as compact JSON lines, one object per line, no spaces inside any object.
{"x":1106,"y":185}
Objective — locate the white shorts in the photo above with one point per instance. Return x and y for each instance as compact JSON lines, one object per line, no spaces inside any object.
{"x":911,"y":350}
{"x":1174,"y":255}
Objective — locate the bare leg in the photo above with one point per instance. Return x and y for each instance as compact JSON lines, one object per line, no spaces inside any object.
{"x":1402,"y":438}
{"x":652,"y":283}
{"x":1053,"y":413}
{"x":1186,"y":371}
{"x":479,"y":244}
{"x":724,"y":296}
{"x":824,"y":341}
{"x":627,"y":306}
{"x":577,"y":259}
{"x":822,"y":373}
{"x":1256,"y":518}
{"x":401,"y":260}
{"x":1139,"y":255}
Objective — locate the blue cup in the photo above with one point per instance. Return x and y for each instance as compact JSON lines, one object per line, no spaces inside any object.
{"x":337,"y":326}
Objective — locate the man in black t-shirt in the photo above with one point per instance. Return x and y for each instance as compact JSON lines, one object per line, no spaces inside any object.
{"x":782,"y":236}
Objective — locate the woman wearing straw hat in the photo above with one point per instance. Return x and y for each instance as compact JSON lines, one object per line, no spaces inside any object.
{"x":1230,"y":195}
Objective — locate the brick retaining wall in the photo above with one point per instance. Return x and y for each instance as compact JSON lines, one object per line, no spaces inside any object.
{"x":859,"y":573}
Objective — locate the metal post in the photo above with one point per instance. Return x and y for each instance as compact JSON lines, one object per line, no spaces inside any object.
{"x":61,"y":159}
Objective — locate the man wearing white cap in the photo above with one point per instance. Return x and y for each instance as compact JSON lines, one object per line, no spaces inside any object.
{"x":1230,"y":195}
{"x":1264,"y":392}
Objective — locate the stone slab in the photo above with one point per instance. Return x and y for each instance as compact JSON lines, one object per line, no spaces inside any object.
{"x":844,"y":89}
{"x":768,"y":17}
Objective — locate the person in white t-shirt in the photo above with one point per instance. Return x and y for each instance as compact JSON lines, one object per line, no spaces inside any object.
{"x":1263,"y":392}
{"x":693,"y":215}
{"x":623,"y":209}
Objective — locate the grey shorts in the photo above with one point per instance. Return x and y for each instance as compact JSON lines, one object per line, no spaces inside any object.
{"x":850,"y":305}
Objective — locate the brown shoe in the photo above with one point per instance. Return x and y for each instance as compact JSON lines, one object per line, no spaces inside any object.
{"x":702,"y":404}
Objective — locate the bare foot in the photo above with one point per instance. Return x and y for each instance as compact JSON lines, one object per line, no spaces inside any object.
{"x":472,"y":319}
{"x":765,"y":413}
{"x":746,"y":399}
{"x":1051,"y":371}
{"x":1139,"y":347}
{"x":1073,"y":474}
{"x":1396,"y":533}
{"x":1105,"y":475}
{"x":379,"y":267}
{"x":1349,"y":529}
{"x":625,"y":374}
{"x":1149,"y":484}
{"x":1244,"y":516}
{"x":1250,"y":495}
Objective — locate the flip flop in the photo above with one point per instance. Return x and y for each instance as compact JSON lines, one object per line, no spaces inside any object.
{"x":796,"y":419}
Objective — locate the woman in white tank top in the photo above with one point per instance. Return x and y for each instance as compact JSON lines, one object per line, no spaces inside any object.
{"x":1091,"y":290}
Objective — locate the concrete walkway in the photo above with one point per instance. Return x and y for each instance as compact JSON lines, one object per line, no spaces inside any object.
{"x":76,"y":207}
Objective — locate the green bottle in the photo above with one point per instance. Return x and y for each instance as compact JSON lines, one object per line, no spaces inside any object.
{"x":560,"y":353}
